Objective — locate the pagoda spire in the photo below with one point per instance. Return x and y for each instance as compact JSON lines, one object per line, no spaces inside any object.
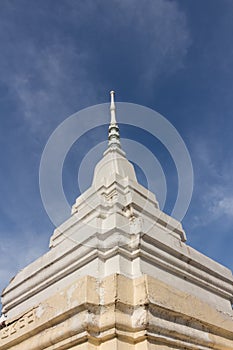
{"x":113,"y":129}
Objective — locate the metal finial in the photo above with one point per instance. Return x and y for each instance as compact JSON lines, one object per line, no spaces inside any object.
{"x":113,"y":130}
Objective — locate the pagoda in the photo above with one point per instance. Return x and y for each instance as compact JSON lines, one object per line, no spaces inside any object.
{"x":119,"y":275}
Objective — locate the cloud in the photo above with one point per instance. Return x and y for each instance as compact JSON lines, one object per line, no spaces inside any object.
{"x":56,"y":62}
{"x":226,"y":206}
{"x":44,"y":91}
{"x":221,"y":202}
{"x":47,"y":77}
{"x":162,"y":35}
{"x":16,"y":251}
{"x":213,"y":195}
{"x":146,"y":38}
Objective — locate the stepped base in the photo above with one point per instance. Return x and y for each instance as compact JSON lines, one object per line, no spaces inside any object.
{"x":119,"y":313}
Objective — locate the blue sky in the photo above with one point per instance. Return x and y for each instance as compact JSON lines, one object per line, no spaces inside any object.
{"x":57,"y":57}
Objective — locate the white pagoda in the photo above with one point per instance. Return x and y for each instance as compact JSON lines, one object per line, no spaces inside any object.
{"x":118,"y":276}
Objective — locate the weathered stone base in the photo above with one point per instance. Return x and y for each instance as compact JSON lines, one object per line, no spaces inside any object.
{"x":118,"y":313}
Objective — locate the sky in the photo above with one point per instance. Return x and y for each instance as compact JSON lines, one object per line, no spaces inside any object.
{"x":58,"y":57}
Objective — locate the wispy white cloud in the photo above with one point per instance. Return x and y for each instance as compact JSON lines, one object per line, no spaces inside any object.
{"x":163,"y":35}
{"x":54,"y":76}
{"x":45,"y":90}
{"x":16,"y":251}
{"x":221,"y":201}
{"x":148,"y":37}
{"x":226,"y":206}
{"x":213,"y":183}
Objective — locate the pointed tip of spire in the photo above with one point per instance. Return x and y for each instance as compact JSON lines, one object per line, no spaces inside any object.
{"x":113,"y":108}
{"x":112,"y":93}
